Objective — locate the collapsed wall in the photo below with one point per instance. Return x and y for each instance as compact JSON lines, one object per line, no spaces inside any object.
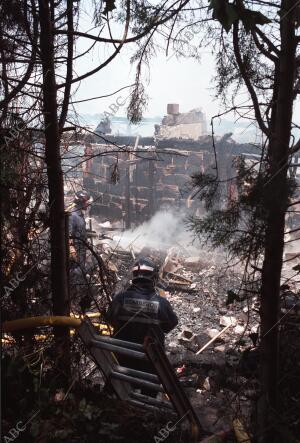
{"x":132,"y":178}
{"x":131,"y":183}
{"x":134,"y":184}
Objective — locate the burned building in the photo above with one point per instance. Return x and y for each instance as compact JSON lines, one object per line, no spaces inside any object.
{"x":189,"y":126}
{"x":131,"y":178}
{"x":132,"y":185}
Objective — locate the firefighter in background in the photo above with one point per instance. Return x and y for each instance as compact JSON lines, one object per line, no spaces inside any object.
{"x":77,"y":229}
{"x":136,"y":311}
{"x":78,"y":234}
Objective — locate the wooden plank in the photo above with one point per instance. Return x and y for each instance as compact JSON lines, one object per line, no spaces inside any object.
{"x":213,"y":339}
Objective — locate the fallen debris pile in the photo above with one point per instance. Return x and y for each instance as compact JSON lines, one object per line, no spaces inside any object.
{"x":208,"y":346}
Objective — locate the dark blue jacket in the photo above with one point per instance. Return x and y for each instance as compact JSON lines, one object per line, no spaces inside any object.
{"x":133,"y":312}
{"x":77,"y":231}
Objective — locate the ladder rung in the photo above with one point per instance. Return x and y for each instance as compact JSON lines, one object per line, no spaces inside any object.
{"x":142,"y":405}
{"x":103,"y":348}
{"x":138,"y":374}
{"x":137,"y":381}
{"x":118,"y":349}
{"x":152,"y":401}
{"x":117,"y":342}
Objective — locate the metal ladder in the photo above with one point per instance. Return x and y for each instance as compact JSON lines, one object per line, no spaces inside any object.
{"x":125,"y":380}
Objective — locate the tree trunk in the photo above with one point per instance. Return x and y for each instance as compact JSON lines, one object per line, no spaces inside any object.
{"x":276,"y":200}
{"x":59,"y":285}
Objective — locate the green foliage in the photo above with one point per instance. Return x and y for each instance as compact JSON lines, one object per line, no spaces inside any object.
{"x":137,"y":104}
{"x":11,"y":158}
{"x":14,"y":14}
{"x":224,"y":12}
{"x":109,"y":6}
{"x":21,"y":393}
{"x":228,"y":13}
{"x":144,"y":15}
{"x":252,"y":18}
{"x":238,"y":224}
{"x":207,"y":188}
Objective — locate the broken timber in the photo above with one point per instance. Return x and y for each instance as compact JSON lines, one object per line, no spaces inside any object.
{"x":213,"y":339}
{"x":123,"y":379}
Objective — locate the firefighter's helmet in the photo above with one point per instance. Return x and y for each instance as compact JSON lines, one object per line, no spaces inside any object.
{"x":145,"y":269}
{"x":82,"y":197}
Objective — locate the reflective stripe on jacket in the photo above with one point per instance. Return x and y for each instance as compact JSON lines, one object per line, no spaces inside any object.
{"x":136,"y":310}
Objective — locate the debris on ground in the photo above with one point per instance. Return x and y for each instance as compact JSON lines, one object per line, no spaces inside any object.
{"x":197,"y":290}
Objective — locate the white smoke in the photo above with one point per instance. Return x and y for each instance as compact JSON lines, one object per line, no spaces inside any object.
{"x":167,"y":228}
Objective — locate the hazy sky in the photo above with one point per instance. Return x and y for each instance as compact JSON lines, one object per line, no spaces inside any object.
{"x":184,"y":81}
{"x":171,"y":80}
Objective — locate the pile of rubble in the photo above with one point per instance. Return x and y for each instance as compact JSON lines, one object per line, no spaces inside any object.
{"x":197,"y":289}
{"x":208,"y":346}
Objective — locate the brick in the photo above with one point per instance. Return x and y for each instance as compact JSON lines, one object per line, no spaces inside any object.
{"x":181,"y":179}
{"x":166,"y":202}
{"x":88,"y":182}
{"x":118,"y":199}
{"x":106,"y":198}
{"x":99,"y":209}
{"x":141,"y":192}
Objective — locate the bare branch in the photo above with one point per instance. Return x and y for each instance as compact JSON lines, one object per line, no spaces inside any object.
{"x":69,"y":74}
{"x":246,"y":79}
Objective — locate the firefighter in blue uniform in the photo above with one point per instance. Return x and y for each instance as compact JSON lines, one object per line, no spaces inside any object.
{"x":80,"y":292}
{"x":77,"y":228}
{"x":140,"y":309}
